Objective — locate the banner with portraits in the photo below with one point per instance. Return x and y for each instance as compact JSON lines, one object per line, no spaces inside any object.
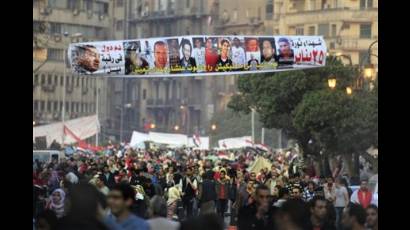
{"x":197,"y":55}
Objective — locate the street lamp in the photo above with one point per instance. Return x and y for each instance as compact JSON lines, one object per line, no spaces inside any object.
{"x":213,"y":127}
{"x":152,"y":126}
{"x":369,"y":71}
{"x":331,"y":82}
{"x":181,"y":107}
{"x":349,"y":90}
{"x":34,"y":123}
{"x":176,"y":127}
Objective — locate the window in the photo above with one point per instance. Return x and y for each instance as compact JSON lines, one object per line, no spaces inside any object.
{"x":77,"y":107}
{"x":78,"y":82}
{"x":365,"y":4}
{"x":119,"y":24}
{"x":120,"y":3}
{"x":71,"y":4}
{"x":67,"y":106}
{"x":88,"y":5}
{"x":299,"y":31}
{"x":323,"y":30}
{"x":72,"y":106}
{"x":61,"y":106}
{"x":43,"y":79}
{"x":49,"y":79}
{"x":82,"y":83}
{"x":42,"y":103}
{"x":187,"y":3}
{"x":55,"y":80}
{"x":48,"y":106}
{"x":144,"y":94}
{"x":35,"y":104}
{"x":366,"y":30}
{"x":333,"y":31}
{"x":105,"y":8}
{"x":362,"y":57}
{"x":55,"y":28}
{"x":62,"y":80}
{"x":55,"y":54}
{"x":311,"y":30}
{"x":269,"y":9}
{"x":55,"y":106}
{"x":36,"y":79}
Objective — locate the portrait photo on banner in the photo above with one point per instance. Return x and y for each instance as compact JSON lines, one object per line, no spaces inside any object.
{"x":224,"y":62}
{"x":135,"y":60}
{"x":85,"y":59}
{"x":238,"y":53}
{"x":160,"y":64}
{"x":187,"y":62}
{"x":285,"y":52}
{"x":211,"y":53}
{"x":253,"y":55}
{"x":198,"y":53}
{"x":268,"y":53}
{"x":174,"y":57}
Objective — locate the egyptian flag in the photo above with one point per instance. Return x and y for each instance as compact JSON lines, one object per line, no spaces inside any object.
{"x":197,"y":140}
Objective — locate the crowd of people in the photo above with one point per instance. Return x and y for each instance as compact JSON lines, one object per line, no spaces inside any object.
{"x":191,"y":189}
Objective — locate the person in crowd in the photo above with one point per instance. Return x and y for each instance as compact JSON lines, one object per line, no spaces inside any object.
{"x":330,"y":190}
{"x":222,"y":188}
{"x":86,"y":205}
{"x":189,"y":189}
{"x":319,"y":214}
{"x":340,"y":202}
{"x":296,"y":192}
{"x":346,"y":185}
{"x":108,"y":178}
{"x":363,"y":195}
{"x":56,"y":202}
{"x":207,"y":194}
{"x":158,"y":215}
{"x":309,"y":192}
{"x":120,"y":200}
{"x":372,"y":218}
{"x":256,"y":215}
{"x":46,"y":220}
{"x":292,"y":215}
{"x":99,"y":182}
{"x":174,"y":196}
{"x":203,"y":222}
{"x":354,"y":217}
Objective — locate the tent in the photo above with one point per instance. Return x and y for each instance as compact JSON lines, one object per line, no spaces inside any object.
{"x":259,"y":164}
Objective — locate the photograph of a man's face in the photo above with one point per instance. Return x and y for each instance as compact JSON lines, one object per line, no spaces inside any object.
{"x":160,"y":54}
{"x":88,"y":58}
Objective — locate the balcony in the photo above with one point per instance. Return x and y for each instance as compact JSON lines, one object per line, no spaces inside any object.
{"x":48,"y":88}
{"x":349,"y":43}
{"x":77,"y":17}
{"x":328,"y":15}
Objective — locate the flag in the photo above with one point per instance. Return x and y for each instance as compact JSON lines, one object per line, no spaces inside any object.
{"x":197,"y":140}
{"x":81,"y":143}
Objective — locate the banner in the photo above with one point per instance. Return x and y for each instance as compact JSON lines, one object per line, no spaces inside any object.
{"x":197,"y":55}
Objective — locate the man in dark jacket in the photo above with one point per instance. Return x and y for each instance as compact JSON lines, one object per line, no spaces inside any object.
{"x":189,"y":189}
{"x":109,"y":178}
{"x":257,"y":215}
{"x":222,"y":188}
{"x":207,"y":193}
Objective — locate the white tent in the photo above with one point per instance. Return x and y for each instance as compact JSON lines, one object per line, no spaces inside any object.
{"x":203,"y":145}
{"x":168,"y":138}
{"x":138,"y":139}
{"x":235,"y":143}
{"x":83,"y":128}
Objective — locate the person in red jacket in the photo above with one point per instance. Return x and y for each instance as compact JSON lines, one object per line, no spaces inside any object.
{"x":211,"y":56}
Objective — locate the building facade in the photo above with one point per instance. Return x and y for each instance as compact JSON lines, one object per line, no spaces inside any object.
{"x":349,"y":27}
{"x":56,"y":24}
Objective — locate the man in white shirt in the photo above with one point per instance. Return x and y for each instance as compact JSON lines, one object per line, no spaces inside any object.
{"x":199,"y":54}
{"x":238,"y":55}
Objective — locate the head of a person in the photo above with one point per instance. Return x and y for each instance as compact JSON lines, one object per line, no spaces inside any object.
{"x":284,"y":47}
{"x":329,"y":181}
{"x":306,"y":178}
{"x":186,"y":48}
{"x":311,"y":186}
{"x":252,"y":176}
{"x":88,"y":58}
{"x":262,"y":195}
{"x":120,"y":198}
{"x":106,"y":169}
{"x":58,"y":196}
{"x":189,"y":171}
{"x":296,"y":192}
{"x":84,"y":201}
{"x":223,"y":174}
{"x":197,"y":43}
{"x":364,"y":185}
{"x":99,"y":181}
{"x":46,"y":220}
{"x":161,"y":54}
{"x":252,"y":45}
{"x":293,"y":214}
{"x":267,"y":49}
{"x":250,"y":185}
{"x":372,"y":216}
{"x":353,"y":215}
{"x":208,"y":43}
{"x":224,"y":48}
{"x":318,"y":207}
{"x":158,"y":206}
{"x":236,"y":42}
